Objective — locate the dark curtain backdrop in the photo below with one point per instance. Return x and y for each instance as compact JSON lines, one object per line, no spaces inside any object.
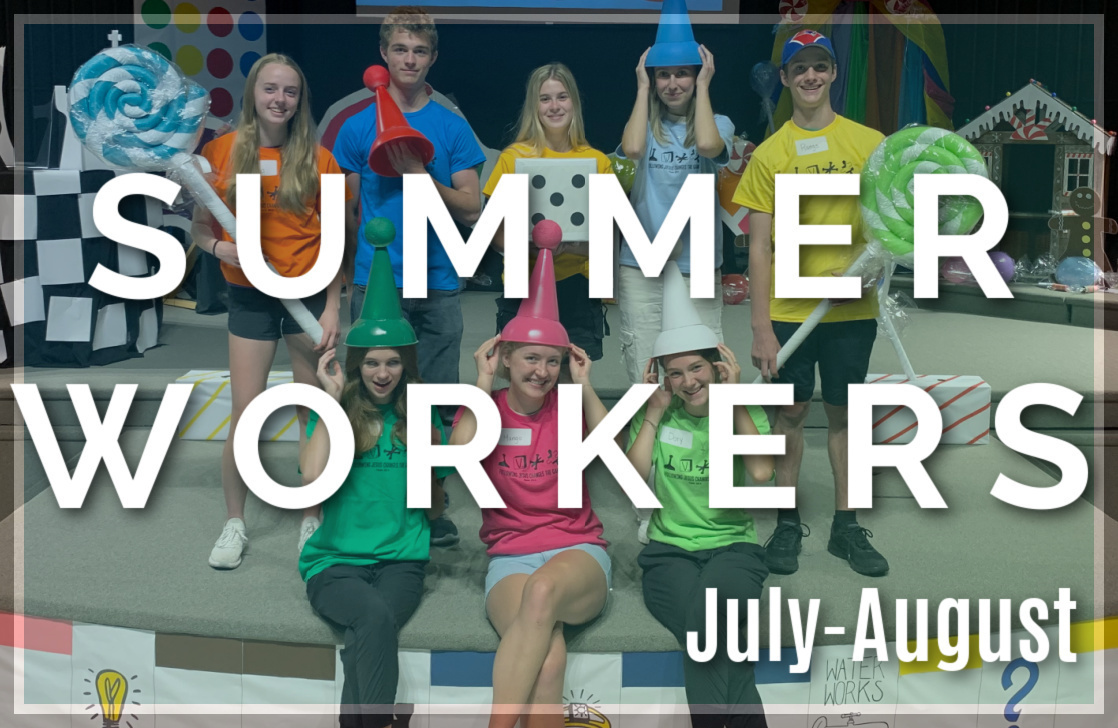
{"x":484,"y":66}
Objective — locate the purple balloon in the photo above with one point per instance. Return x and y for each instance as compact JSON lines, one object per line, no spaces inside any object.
{"x":1006,"y":266}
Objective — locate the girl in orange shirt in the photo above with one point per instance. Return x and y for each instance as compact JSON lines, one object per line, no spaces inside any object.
{"x":276,"y":138}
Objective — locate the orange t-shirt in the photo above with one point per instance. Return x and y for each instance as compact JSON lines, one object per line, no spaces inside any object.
{"x":289,"y":240}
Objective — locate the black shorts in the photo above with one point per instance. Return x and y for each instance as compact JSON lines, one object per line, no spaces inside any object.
{"x":840,"y":348}
{"x":253,"y":315}
{"x":583,"y":317}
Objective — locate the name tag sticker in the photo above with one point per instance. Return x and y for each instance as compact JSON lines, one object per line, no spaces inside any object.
{"x":811,"y":146}
{"x":268,"y":168}
{"x":673,"y":436}
{"x":515,"y":437}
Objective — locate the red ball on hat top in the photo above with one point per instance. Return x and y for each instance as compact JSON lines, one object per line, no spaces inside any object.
{"x":547,"y":234}
{"x":376,"y":76}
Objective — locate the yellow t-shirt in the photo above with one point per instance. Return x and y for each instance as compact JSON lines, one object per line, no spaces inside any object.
{"x":567,"y":264}
{"x":841,"y":147}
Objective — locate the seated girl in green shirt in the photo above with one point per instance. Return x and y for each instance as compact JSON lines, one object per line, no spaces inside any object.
{"x":692,"y":546}
{"x":365,"y":564}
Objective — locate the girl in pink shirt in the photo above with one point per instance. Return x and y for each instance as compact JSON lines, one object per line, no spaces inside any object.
{"x":548,"y":566}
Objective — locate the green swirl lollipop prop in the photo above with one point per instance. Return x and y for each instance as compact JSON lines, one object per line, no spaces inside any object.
{"x":135,"y":109}
{"x":888,"y":185}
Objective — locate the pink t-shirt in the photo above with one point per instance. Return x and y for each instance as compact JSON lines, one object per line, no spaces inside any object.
{"x":524,"y":468}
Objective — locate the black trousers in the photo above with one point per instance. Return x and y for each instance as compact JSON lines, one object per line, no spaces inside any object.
{"x":369,"y":604}
{"x":721,"y":692}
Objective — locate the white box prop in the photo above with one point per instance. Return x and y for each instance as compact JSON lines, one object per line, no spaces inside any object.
{"x":964,"y":402}
{"x":559,"y":190}
{"x":208,"y":410}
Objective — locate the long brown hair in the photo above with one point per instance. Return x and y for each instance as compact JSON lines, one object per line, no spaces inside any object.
{"x":531,"y":133}
{"x":299,"y":154}
{"x":365,"y":417}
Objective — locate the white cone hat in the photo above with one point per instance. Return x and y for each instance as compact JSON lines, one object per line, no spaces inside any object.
{"x":681,"y":329}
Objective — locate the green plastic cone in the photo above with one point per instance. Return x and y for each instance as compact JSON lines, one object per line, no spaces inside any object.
{"x":382,"y":323}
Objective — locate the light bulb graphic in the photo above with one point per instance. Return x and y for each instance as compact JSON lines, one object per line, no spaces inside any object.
{"x":112,"y":688}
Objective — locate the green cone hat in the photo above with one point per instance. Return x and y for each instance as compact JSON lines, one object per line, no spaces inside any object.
{"x":382,"y":323}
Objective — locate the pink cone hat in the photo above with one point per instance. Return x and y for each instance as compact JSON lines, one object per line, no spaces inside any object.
{"x":537,"y":321}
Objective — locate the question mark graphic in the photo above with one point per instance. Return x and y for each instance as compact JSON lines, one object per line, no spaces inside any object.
{"x":1011,"y":711}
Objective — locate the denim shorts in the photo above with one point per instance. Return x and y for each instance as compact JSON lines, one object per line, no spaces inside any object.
{"x":502,"y":566}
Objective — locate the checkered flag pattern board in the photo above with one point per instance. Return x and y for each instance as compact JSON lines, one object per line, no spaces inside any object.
{"x":49,"y":248}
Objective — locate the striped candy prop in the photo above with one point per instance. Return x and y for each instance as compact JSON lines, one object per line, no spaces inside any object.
{"x":888,"y":184}
{"x":135,"y":109}
{"x":132,"y":108}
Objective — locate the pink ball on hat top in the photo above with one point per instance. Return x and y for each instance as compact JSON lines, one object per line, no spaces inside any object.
{"x":537,"y":321}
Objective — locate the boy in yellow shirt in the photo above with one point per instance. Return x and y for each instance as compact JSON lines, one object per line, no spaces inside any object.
{"x":815,"y":141}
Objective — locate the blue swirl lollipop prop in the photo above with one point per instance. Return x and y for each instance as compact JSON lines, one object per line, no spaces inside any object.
{"x":134,"y":109}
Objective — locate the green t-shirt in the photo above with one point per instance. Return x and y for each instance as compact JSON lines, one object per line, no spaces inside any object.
{"x":681,"y":464}
{"x":367,"y":521}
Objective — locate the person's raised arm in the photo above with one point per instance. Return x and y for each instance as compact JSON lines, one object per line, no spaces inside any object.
{"x":760,"y":467}
{"x":708,"y":142}
{"x":353,"y":229}
{"x":640,"y":449}
{"x":316,"y":453}
{"x":462,"y":198}
{"x":486,"y":358}
{"x":765,"y":344}
{"x":593,"y":411}
{"x":636,"y":130}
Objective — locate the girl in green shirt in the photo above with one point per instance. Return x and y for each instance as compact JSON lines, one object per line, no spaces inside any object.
{"x":365,"y":564}
{"x":692,"y":546}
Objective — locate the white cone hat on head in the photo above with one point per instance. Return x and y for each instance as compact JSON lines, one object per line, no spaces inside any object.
{"x":681,"y":329}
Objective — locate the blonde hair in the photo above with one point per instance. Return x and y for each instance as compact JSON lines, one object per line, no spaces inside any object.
{"x":531,"y":133}
{"x":298,"y":155}
{"x":411,"y":19}
{"x":657,"y":111}
{"x":365,"y":416}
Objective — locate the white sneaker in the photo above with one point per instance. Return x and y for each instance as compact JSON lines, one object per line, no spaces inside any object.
{"x":642,"y":530}
{"x":644,"y":515}
{"x":310,"y":525}
{"x":230,"y":546}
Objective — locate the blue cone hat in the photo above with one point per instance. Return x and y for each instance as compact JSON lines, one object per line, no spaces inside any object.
{"x":675,"y":43}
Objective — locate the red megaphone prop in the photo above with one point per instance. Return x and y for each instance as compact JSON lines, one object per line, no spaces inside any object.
{"x":392,"y":127}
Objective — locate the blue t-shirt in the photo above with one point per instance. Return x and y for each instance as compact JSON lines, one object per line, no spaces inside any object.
{"x":660,"y":176}
{"x":455,"y":150}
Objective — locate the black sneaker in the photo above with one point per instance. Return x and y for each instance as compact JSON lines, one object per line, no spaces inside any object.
{"x":444,"y":533}
{"x":783,"y":547}
{"x":852,"y":543}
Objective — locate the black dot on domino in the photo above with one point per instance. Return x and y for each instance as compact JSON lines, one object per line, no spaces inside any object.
{"x":538,"y":181}
{"x":557,"y":199}
{"x":577,"y":219}
{"x":538,"y":218}
{"x":578,"y":181}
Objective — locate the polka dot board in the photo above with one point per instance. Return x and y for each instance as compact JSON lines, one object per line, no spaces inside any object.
{"x":559,"y":190}
{"x":214,"y":42}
